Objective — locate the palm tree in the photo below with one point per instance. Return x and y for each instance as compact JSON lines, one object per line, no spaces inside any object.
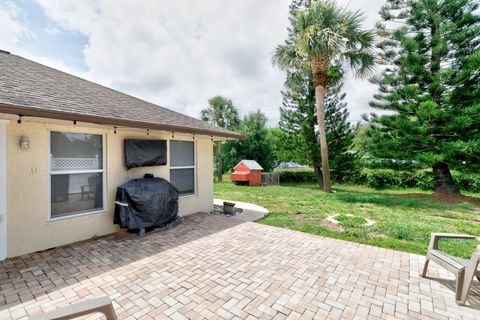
{"x":324,"y":38}
{"x":221,"y":112}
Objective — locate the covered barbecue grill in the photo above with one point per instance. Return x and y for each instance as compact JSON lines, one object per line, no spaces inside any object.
{"x":146,"y":203}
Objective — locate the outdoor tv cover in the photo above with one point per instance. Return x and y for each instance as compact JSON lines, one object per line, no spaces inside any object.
{"x":145,"y":153}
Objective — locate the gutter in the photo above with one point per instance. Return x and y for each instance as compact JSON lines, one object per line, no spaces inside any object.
{"x":60,"y":115}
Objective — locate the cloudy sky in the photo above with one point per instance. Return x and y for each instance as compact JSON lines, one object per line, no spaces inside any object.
{"x":177,"y":54}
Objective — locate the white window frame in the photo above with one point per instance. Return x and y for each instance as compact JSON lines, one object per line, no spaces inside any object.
{"x":194,"y":167}
{"x":56,"y":172}
{"x":3,"y":190}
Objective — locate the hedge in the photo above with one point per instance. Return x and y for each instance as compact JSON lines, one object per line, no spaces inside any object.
{"x":298,"y":176}
{"x":389,"y":178}
{"x":422,"y":179}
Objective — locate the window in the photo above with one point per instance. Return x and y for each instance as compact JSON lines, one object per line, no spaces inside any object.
{"x":76,"y":173}
{"x":182,"y":166}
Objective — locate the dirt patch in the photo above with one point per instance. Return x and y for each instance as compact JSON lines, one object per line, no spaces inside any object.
{"x":444,"y":198}
{"x":376,"y":234}
{"x":332,"y":226}
{"x":361,"y":221}
{"x":302,"y":218}
{"x":441,"y":216}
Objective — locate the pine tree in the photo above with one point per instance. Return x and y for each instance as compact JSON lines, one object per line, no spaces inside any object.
{"x":298,"y":120}
{"x":431,"y":83}
{"x":340,"y":134}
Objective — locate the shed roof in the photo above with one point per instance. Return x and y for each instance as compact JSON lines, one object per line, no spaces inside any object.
{"x":31,"y":89}
{"x":251,"y":164}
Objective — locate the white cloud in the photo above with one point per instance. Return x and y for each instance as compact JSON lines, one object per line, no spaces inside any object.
{"x":14,"y":36}
{"x":180,"y":53}
{"x":11,"y":30}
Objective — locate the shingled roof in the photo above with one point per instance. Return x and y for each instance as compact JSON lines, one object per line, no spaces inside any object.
{"x":31,"y":89}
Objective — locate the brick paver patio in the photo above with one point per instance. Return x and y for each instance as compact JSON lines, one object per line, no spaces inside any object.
{"x":217,"y":268}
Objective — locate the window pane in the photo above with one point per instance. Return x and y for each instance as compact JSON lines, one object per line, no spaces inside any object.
{"x":181,"y":153}
{"x":75,"y":151}
{"x":183,"y":180}
{"x":76,"y":193}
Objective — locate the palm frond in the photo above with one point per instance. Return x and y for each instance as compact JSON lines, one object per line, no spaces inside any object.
{"x":327,"y":30}
{"x":287,"y":56}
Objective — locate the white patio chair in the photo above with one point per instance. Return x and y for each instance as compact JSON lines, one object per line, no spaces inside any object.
{"x":99,"y":305}
{"x":463,"y":269}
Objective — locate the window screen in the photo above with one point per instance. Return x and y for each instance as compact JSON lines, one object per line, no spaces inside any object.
{"x":181,"y":154}
{"x":182,"y":166}
{"x":76,"y":173}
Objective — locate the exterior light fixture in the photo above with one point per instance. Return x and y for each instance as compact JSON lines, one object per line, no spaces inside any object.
{"x":19,"y":121}
{"x":25,"y":143}
{"x":115,"y":130}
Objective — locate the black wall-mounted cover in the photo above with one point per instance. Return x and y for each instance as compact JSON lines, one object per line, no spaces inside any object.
{"x":145,"y":153}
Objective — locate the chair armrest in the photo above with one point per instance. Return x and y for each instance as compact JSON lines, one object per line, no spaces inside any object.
{"x":101,"y":305}
{"x":453,"y":235}
{"x":475,"y":260}
{"x":437,"y":236}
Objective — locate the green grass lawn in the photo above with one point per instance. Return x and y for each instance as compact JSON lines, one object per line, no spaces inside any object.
{"x":404,"y":218}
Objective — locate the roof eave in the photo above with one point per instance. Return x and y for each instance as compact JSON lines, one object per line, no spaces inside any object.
{"x":59,"y":115}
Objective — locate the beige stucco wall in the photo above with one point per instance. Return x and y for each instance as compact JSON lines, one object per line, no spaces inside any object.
{"x":28,"y":225}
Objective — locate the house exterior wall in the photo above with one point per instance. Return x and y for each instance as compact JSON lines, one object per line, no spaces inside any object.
{"x":29,"y":228}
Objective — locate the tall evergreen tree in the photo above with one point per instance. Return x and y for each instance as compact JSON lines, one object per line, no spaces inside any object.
{"x":221,"y":112}
{"x":340,"y":134}
{"x":298,"y":120}
{"x":431,"y":83}
{"x":325,"y":37}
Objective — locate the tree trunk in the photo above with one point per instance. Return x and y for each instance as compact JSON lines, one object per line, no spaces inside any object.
{"x":320,"y":81}
{"x":219,"y":161}
{"x":443,"y":180}
{"x":318,"y":176}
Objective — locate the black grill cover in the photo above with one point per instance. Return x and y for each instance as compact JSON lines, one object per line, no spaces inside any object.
{"x":145,"y":203}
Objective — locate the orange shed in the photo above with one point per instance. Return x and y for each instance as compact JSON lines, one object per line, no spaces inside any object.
{"x":247,"y":172}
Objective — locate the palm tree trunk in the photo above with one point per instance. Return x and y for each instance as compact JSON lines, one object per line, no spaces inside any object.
{"x":320,"y":81}
{"x":219,"y":161}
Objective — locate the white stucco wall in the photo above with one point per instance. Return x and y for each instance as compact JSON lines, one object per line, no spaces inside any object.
{"x":29,"y":228}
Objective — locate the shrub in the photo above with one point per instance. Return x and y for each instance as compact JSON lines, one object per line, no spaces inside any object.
{"x":297,"y":176}
{"x":467,"y":181}
{"x":422,"y":179}
{"x":389,"y":178}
